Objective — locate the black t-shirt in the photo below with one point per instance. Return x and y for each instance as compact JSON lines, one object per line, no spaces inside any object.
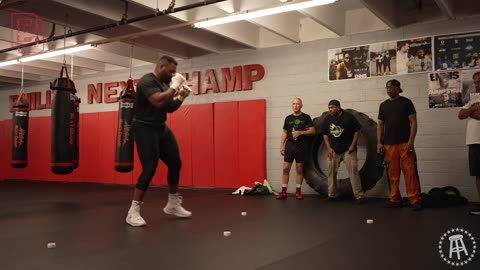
{"x":340,"y":131}
{"x":394,"y":114}
{"x":300,"y":123}
{"x":145,"y":112}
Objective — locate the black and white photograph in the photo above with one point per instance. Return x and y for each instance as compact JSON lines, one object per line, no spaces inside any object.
{"x":444,"y":89}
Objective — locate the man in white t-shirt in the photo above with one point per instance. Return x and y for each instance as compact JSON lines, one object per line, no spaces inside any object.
{"x":474,"y":89}
{"x":403,"y":61}
{"x":471,"y":112}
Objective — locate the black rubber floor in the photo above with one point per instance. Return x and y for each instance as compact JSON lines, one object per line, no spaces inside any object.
{"x":87,"y":223}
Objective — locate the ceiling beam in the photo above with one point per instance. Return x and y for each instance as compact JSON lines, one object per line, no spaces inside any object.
{"x":33,"y":70}
{"x":10,"y":80}
{"x":104,"y":57}
{"x":331,"y":17}
{"x":18,"y":75}
{"x":56,"y":66}
{"x":286,"y":25}
{"x":385,"y":10}
{"x":242,"y":31}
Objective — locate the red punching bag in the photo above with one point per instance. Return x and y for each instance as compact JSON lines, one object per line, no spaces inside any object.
{"x":124,"y":142}
{"x":63,"y":124}
{"x":20,"y":132}
{"x":76,"y":149}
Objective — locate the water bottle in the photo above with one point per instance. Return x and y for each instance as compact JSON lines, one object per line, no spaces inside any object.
{"x":293,"y":131}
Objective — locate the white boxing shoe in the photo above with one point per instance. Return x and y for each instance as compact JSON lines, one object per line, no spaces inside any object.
{"x":133,"y":217}
{"x":174,"y":207}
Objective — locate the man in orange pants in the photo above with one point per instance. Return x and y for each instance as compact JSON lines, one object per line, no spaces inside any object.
{"x":396,"y":130}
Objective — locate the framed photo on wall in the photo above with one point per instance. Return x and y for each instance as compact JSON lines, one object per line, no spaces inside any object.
{"x":444,"y":89}
{"x":383,"y":59}
{"x":457,"y":51}
{"x":414,"y":55}
{"x":349,"y":63}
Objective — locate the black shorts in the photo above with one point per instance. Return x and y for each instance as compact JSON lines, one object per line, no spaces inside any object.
{"x":474,"y":159}
{"x":296,"y":150}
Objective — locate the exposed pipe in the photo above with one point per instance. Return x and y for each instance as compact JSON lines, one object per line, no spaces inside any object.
{"x":157,"y":13}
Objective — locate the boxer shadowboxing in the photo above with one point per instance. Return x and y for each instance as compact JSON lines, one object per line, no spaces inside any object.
{"x":158,"y":93}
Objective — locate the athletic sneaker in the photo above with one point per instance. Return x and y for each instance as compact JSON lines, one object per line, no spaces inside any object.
{"x":281,"y":196}
{"x":299,"y":196}
{"x":133,"y":217}
{"x":174,"y":206}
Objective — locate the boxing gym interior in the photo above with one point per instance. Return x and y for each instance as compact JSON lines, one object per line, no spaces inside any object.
{"x":69,"y":164}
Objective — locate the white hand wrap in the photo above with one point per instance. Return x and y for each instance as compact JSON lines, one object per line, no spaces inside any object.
{"x":177,"y":81}
{"x":185,"y":91}
{"x":187,"y":88}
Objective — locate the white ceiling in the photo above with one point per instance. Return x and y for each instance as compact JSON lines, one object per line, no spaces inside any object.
{"x":174,"y":35}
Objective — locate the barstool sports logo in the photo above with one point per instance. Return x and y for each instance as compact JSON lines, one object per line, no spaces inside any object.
{"x":457,"y":247}
{"x":27,"y":28}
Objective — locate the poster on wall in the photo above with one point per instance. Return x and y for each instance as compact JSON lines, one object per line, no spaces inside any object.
{"x":456,"y":51}
{"x":383,"y":59}
{"x":471,"y":84}
{"x":444,"y":89}
{"x":414,"y":55}
{"x":348,"y":63}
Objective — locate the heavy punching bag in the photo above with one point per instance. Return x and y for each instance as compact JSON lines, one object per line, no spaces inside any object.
{"x":63,"y":124}
{"x":20,"y":132}
{"x":76,"y":149}
{"x":124,"y":142}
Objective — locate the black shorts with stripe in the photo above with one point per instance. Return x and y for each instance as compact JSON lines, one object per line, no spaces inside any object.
{"x":296,"y":150}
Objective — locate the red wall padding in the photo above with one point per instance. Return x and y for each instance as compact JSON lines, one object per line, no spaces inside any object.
{"x":203,"y":165}
{"x":251,"y":142}
{"x":221,"y":145}
{"x":226,"y":149}
{"x":89,"y":145}
{"x":105,"y":130}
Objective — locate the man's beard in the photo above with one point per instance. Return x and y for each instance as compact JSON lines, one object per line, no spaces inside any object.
{"x":392,"y":95}
{"x":165,"y":78}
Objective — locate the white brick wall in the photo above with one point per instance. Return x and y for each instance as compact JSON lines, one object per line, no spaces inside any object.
{"x":300,"y":70}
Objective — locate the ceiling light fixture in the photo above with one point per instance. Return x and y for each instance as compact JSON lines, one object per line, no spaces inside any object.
{"x":55,"y":53}
{"x":8,"y":63}
{"x":263,"y":12}
{"x":46,"y":55}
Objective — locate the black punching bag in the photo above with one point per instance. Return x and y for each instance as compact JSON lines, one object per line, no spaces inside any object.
{"x":76,"y":149}
{"x":63,"y":124}
{"x":20,"y":132}
{"x":124,"y":143}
